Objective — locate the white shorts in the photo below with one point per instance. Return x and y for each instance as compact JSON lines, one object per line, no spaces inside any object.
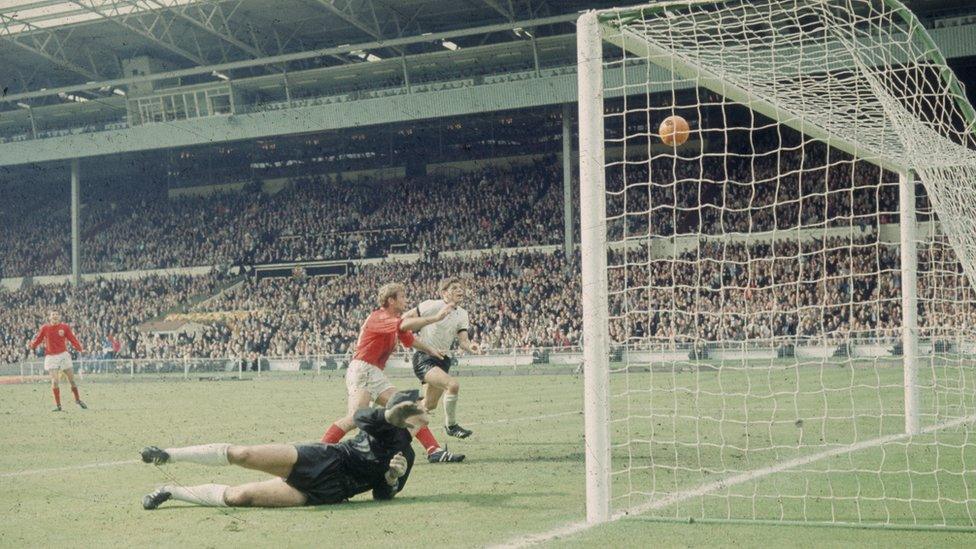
{"x":362,"y":375}
{"x":57,"y":362}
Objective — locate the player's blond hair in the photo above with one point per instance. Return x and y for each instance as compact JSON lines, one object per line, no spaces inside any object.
{"x":446,"y":283}
{"x":387,"y":291}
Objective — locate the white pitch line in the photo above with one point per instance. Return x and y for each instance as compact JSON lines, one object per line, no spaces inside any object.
{"x":99,"y":465}
{"x":678,"y":497}
{"x":68,"y":468}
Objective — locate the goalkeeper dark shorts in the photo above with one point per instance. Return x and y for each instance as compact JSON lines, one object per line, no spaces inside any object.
{"x":422,"y":363}
{"x":319,"y":474}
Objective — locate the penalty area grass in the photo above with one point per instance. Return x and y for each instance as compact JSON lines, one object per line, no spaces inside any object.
{"x":72,"y":477}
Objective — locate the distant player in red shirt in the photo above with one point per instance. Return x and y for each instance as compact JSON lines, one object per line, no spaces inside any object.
{"x":365,"y":380}
{"x":57,"y":359}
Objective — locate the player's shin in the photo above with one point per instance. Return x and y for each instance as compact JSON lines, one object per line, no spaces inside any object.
{"x":205,"y":454}
{"x":450,"y":409}
{"x":210,"y":495}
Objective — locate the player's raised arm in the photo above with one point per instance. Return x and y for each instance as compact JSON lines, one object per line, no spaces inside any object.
{"x":382,"y":424}
{"x":414,"y":324}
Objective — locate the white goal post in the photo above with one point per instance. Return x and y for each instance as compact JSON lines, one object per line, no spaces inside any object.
{"x":779,"y":316}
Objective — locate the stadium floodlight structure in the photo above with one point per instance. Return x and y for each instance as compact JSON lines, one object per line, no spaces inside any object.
{"x":779,"y":316}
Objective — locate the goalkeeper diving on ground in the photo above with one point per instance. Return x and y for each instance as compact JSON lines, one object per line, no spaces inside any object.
{"x":379,"y":458}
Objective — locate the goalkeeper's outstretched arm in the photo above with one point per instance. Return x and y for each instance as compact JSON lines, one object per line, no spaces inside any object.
{"x":386,"y":427}
{"x":395,"y":478}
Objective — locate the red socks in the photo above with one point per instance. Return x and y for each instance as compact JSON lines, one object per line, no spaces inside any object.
{"x":57,"y":395}
{"x":74,"y":389}
{"x":333,"y":435}
{"x":427,"y":439}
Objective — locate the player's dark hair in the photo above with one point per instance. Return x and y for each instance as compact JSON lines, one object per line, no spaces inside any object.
{"x":445,"y":283}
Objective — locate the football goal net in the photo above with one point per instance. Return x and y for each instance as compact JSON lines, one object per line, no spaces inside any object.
{"x":779,"y":316}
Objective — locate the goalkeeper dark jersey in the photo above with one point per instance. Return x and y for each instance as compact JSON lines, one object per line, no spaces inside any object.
{"x":330,"y":473}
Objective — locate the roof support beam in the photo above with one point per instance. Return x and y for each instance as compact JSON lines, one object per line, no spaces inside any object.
{"x":348,"y":12}
{"x":298,"y":56}
{"x":211,"y":18}
{"x":15,"y":8}
{"x":47,"y":43}
{"x":155,"y":26}
{"x":507,"y":13}
{"x":401,"y":22}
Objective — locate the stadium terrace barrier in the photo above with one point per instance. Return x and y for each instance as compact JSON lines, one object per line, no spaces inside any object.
{"x":887,"y":232}
{"x":132,"y":367}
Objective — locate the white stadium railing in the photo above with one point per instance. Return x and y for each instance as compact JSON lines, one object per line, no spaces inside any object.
{"x":517,"y":360}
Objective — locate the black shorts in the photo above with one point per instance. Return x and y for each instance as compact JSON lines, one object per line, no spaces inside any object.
{"x":422,"y":363}
{"x":319,"y":474}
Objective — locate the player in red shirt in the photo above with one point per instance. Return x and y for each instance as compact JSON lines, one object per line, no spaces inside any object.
{"x":57,"y":359}
{"x":365,"y":380}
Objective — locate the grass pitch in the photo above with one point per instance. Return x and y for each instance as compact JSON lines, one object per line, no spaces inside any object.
{"x":73,"y":479}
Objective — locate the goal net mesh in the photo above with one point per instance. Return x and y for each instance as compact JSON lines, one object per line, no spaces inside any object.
{"x":755,"y":300}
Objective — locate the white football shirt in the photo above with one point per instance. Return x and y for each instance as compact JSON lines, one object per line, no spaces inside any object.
{"x":442,"y":334}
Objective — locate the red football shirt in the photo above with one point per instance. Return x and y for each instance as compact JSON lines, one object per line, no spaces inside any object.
{"x":53,"y":336}
{"x":378,"y":338}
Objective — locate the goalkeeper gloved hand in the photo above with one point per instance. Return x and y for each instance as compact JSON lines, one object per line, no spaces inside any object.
{"x":398,"y":468}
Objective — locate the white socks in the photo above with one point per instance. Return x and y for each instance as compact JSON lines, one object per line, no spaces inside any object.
{"x":210,"y":495}
{"x":450,"y":407}
{"x":206,"y":454}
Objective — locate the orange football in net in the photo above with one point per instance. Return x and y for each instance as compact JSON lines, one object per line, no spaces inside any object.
{"x":674,"y":130}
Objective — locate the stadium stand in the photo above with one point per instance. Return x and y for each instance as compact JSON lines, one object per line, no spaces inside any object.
{"x":522,"y":299}
{"x":518,"y":300}
{"x":320,"y":218}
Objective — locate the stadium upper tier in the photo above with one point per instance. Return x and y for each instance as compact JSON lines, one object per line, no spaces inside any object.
{"x":313,"y":218}
{"x":329,"y":67}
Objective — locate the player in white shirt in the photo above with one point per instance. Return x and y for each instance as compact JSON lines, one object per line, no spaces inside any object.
{"x":441,"y":335}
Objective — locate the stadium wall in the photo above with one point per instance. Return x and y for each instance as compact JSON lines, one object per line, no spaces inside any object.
{"x":660,"y":248}
{"x":17,"y":282}
{"x":276,"y":185}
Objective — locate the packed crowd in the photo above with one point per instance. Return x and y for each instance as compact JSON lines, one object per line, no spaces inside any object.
{"x":748,"y":194}
{"x":104,"y":314}
{"x":519,"y":300}
{"x":313,"y":218}
{"x":690,"y":262}
{"x":820,"y":290}
{"x":38,"y":236}
{"x":323,"y":218}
